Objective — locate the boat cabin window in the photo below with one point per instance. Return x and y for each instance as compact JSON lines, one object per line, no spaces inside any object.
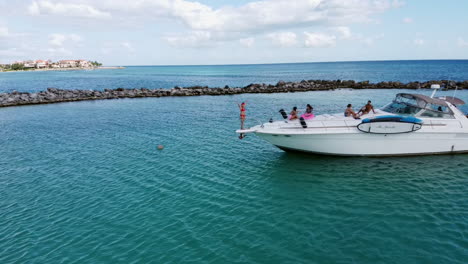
{"x":405,"y":104}
{"x":437,"y":111}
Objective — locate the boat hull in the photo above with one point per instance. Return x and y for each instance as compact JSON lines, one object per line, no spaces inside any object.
{"x":365,"y":144}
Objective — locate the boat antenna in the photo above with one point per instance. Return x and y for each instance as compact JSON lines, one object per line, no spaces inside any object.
{"x":455,"y":92}
{"x":435,"y":87}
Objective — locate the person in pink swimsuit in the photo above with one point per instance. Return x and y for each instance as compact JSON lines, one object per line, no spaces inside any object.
{"x":308,"y":114}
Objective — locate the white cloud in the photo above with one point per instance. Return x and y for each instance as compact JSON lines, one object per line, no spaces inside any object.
{"x":319,"y":40}
{"x":418,"y":42}
{"x":283,"y":39}
{"x":462,"y":43}
{"x":124,"y":47}
{"x":59,"y":51}
{"x":210,"y":25}
{"x":194,"y":39}
{"x":58,"y":40}
{"x":345,"y":32}
{"x":66,"y":9}
{"x":11,"y":52}
{"x":4,"y":32}
{"x":247,"y":42}
{"x":407,"y":20}
{"x":127,"y":46}
{"x":268,"y":14}
{"x":256,"y":16}
{"x":369,"y":40}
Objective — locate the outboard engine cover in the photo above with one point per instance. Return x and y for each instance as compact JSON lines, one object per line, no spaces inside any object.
{"x":303,"y":122}
{"x":283,"y":113}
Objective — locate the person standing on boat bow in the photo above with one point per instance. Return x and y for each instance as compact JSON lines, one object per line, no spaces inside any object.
{"x":242,"y":113}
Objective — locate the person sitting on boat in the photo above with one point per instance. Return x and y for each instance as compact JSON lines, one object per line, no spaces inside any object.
{"x":349,"y":112}
{"x":367,"y":108}
{"x":308,"y":114}
{"x":293,"y":114}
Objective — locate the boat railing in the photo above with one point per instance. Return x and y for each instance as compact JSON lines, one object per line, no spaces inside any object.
{"x":320,"y":124}
{"x":434,"y":124}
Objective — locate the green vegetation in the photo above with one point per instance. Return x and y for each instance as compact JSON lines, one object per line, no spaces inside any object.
{"x":17,"y":67}
{"x":96,"y":64}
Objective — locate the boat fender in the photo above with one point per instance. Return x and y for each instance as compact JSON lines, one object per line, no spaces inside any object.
{"x":283,"y":113}
{"x":303,"y":122}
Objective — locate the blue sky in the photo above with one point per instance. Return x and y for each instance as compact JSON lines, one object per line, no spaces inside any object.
{"x":182,"y":32}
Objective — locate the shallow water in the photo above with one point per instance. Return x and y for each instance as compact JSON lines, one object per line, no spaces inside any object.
{"x":235,"y":75}
{"x":84,"y":183}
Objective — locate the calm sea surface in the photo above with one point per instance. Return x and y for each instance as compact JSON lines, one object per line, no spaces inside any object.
{"x":234,"y":75}
{"x":84,"y":182}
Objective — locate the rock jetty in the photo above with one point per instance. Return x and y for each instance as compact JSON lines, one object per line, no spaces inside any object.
{"x":53,"y":95}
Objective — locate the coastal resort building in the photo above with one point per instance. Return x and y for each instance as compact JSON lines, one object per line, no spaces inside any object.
{"x":29,"y":64}
{"x":67,"y":63}
{"x":41,"y":64}
{"x":44,"y":64}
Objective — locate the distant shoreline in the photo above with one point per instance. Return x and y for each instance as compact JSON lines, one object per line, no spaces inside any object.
{"x":53,"y":95}
{"x":67,"y":69}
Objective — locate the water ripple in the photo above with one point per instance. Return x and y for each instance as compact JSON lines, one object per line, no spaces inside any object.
{"x":84,"y":183}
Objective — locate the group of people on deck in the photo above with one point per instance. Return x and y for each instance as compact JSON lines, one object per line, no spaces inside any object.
{"x":294,"y":114}
{"x":363,"y":111}
{"x":307,"y":115}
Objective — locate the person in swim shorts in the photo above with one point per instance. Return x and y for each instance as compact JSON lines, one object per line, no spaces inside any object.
{"x":367,"y":108}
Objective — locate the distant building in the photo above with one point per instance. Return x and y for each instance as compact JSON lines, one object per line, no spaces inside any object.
{"x":40,"y":64}
{"x":84,"y":63}
{"x":67,"y":63}
{"x":43,"y":64}
{"x":29,"y":64}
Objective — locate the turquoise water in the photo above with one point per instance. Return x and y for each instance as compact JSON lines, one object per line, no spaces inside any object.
{"x":84,"y":183}
{"x":235,"y":75}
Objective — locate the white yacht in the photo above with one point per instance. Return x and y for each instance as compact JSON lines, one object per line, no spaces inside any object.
{"x":413,"y":124}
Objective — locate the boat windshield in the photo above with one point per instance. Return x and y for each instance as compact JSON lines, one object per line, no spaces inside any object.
{"x":405,"y":104}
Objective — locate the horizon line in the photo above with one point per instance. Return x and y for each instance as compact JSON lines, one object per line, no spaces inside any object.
{"x":276,"y":63}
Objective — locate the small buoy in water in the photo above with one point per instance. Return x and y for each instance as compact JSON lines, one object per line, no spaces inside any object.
{"x":160,"y":147}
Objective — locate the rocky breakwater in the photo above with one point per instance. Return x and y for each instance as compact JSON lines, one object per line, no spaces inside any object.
{"x":53,"y":95}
